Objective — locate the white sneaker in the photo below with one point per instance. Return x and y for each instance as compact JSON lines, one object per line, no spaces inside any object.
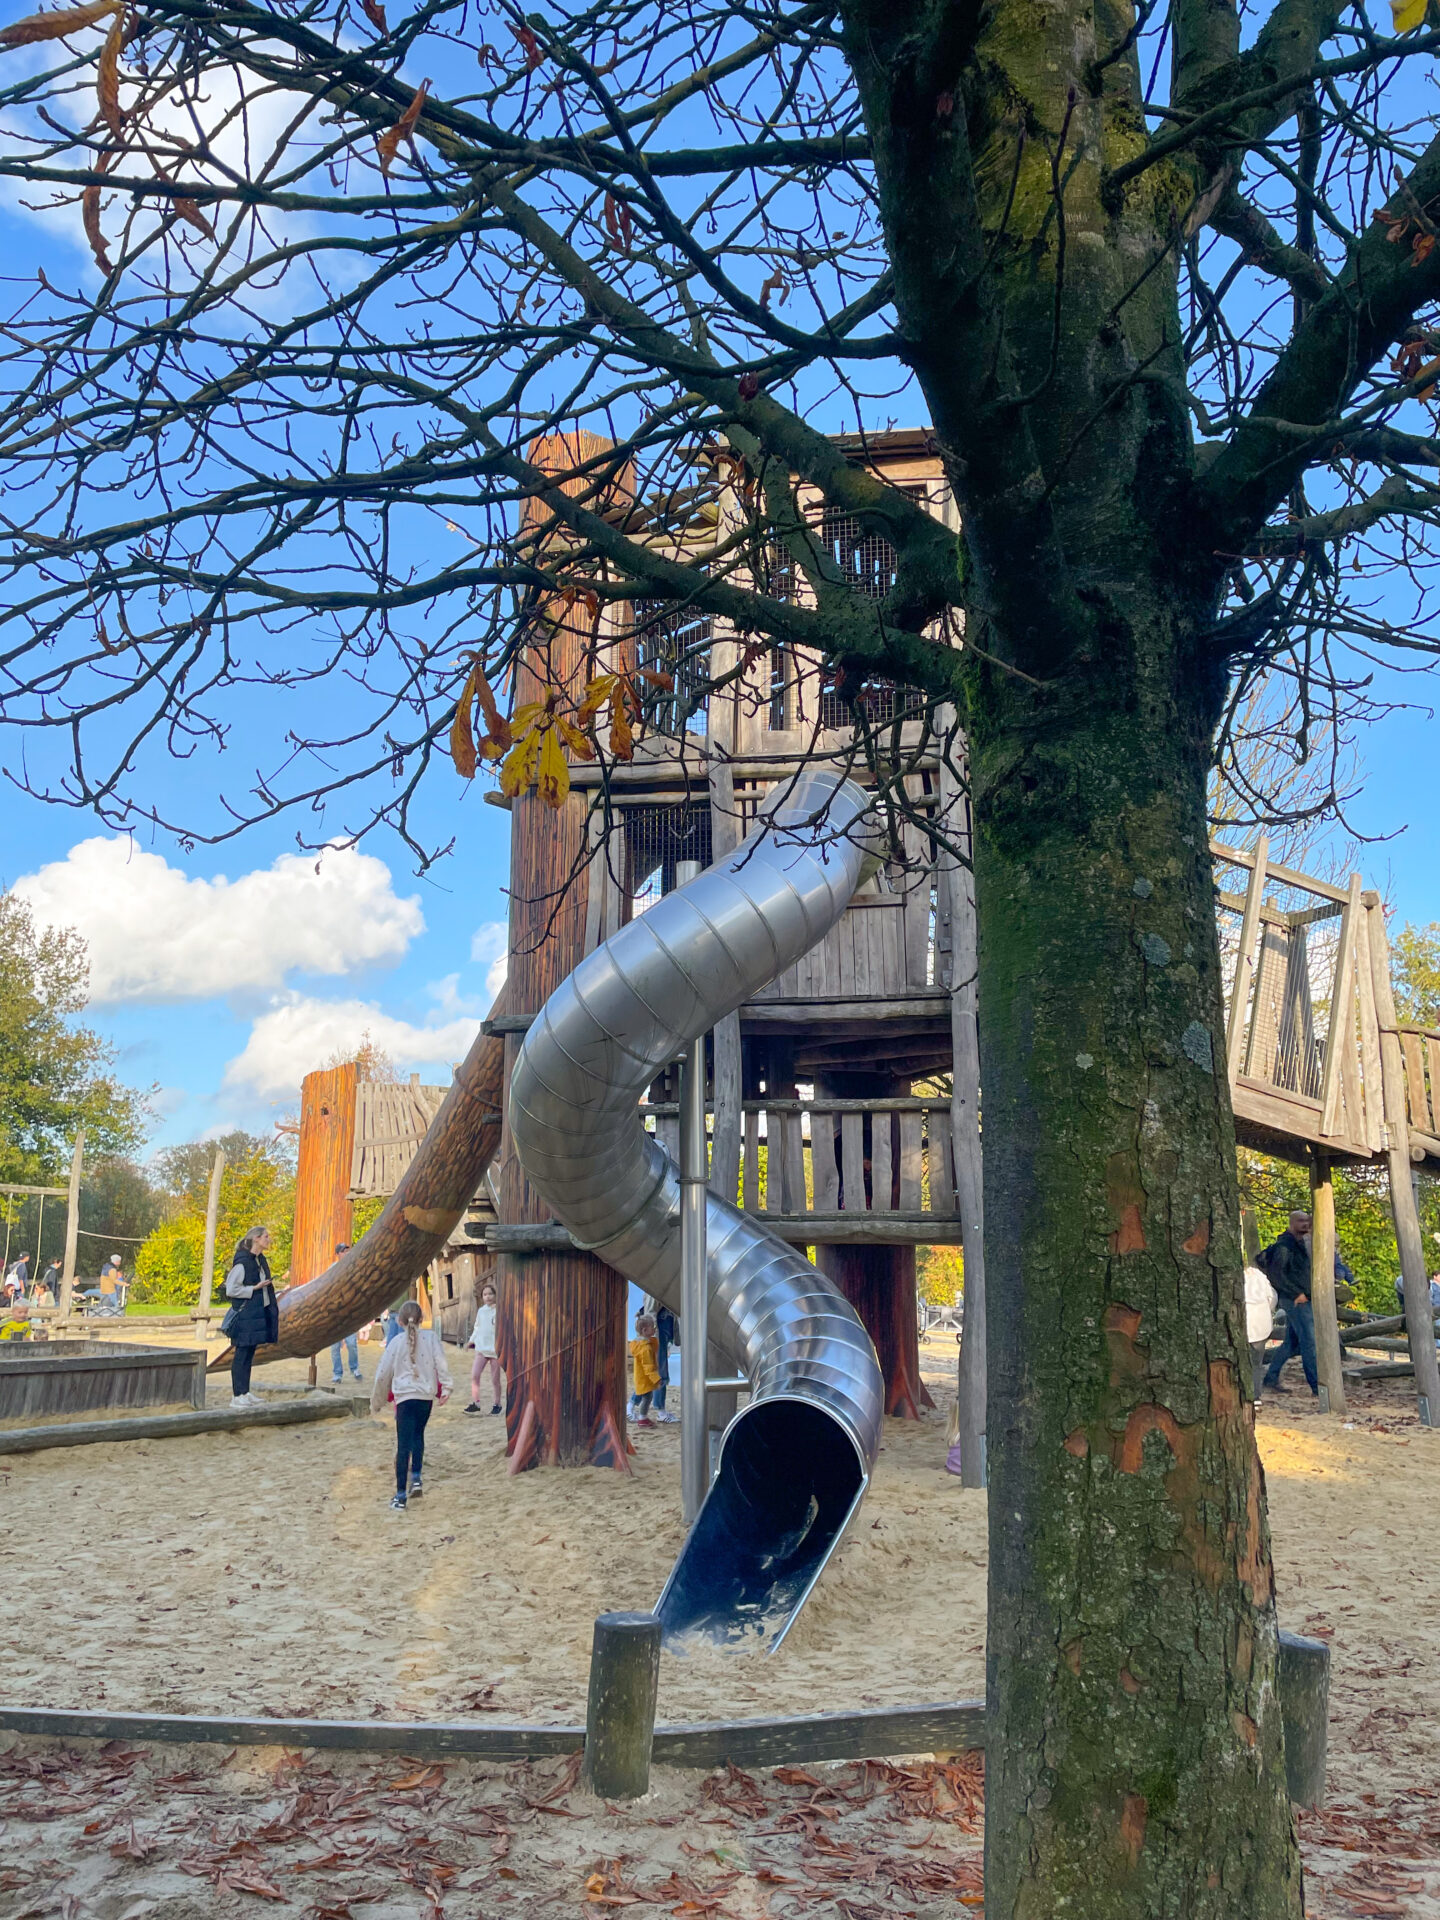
{"x":240,"y":1402}
{"x":667,"y":1419}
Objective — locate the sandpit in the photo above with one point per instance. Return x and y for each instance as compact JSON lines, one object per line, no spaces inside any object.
{"x":262,"y":1572}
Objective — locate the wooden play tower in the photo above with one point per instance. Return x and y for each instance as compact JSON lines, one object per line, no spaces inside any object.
{"x":825,"y":1115}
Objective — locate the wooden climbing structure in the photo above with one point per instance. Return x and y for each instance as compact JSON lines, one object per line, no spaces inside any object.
{"x":828,"y":1116}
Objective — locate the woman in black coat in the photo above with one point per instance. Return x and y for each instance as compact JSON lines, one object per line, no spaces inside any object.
{"x":254,"y":1318}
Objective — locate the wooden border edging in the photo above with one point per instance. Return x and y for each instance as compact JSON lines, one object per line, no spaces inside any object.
{"x":175,"y":1426}
{"x":427,"y":1741}
{"x":861,"y":1735}
{"x":866,"y":1734}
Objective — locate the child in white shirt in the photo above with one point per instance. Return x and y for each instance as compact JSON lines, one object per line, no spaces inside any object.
{"x":483,"y":1341}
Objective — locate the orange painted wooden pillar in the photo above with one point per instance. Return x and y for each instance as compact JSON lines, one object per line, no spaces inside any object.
{"x":323,"y":1212}
{"x":561,"y":1326}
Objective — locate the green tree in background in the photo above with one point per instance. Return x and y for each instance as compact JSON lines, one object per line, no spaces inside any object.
{"x":55,"y":1075}
{"x":1364,"y":1226}
{"x":1415,"y":963}
{"x":258,"y":1190}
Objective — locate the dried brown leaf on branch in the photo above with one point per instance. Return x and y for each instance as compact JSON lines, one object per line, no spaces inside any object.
{"x":189,"y":211}
{"x":375,"y":14}
{"x":90,"y":219}
{"x":54,"y":26}
{"x":107,"y":76}
{"x":389,"y":144}
{"x":531,"y":46}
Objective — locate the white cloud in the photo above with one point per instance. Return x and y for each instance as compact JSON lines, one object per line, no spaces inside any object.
{"x":155,"y":934}
{"x":489,"y":946}
{"x":300,"y":1033}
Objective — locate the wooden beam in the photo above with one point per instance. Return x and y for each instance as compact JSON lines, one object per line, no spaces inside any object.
{"x":1285,"y":876}
{"x":867,"y":1734}
{"x":72,"y":1226}
{"x":212,"y":1215}
{"x":932,"y":1003}
{"x":1402,"y":1195}
{"x":1322,"y":1282}
{"x":424,"y":1740}
{"x":173,"y":1426}
{"x":1340,"y":1042}
{"x":1245,"y":958}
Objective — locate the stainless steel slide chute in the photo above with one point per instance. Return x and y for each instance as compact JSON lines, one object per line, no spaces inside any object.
{"x":795,"y":1461}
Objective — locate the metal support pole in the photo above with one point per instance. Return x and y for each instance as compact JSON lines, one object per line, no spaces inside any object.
{"x":72,"y":1227}
{"x":694,"y":1285}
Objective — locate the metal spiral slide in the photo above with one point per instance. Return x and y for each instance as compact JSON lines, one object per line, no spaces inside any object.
{"x":795,"y":1461}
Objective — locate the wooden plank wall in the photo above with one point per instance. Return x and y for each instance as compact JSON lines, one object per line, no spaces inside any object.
{"x":391,"y":1119}
{"x":84,"y":1376}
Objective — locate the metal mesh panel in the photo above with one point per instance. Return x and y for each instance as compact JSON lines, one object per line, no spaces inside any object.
{"x":656,"y":840}
{"x":674,"y":640}
{"x":867,"y":561}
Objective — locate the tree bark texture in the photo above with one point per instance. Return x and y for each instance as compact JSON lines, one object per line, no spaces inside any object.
{"x":1138,"y":1764}
{"x":879,"y":1282}
{"x":1135,"y":1765}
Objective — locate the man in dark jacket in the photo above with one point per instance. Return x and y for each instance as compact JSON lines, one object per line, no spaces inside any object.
{"x":1287,"y":1263}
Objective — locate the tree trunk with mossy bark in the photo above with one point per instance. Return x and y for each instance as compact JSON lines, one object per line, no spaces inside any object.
{"x":1136,"y":1766}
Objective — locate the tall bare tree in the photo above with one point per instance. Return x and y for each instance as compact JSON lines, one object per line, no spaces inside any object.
{"x":1162,"y":290}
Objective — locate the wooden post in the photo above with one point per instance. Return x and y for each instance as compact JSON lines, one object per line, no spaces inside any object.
{"x":1322,"y":1282}
{"x":620,"y":1711}
{"x":212,"y":1219}
{"x":72,"y":1227}
{"x":1245,"y":959}
{"x":879,"y":1282}
{"x":323,"y":1210}
{"x":1418,"y":1321}
{"x":1303,"y":1682}
{"x":965,"y":1129}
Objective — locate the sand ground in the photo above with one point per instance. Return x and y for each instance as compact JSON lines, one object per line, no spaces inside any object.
{"x":262,"y":1572}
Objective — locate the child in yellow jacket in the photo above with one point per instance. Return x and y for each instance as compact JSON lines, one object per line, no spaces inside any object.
{"x":644,"y":1368}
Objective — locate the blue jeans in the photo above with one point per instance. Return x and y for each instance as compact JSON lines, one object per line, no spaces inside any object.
{"x":663,"y":1362}
{"x":352,"y":1348}
{"x":1299,"y":1338}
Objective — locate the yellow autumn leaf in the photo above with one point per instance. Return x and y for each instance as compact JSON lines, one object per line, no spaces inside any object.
{"x":462,"y":735}
{"x":554,"y":780}
{"x":597,"y":692}
{"x":576,"y":742}
{"x":517,"y":769}
{"x":1407,"y":14}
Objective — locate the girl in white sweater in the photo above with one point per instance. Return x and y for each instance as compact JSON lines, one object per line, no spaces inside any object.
{"x":414,"y":1374}
{"x":483,"y":1341}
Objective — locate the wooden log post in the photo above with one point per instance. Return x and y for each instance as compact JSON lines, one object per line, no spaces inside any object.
{"x":72,"y":1227}
{"x":1402,"y":1195}
{"x":1303,"y":1681}
{"x":212,"y":1219}
{"x":1328,"y":1363}
{"x":323,"y":1210}
{"x":879,"y":1282}
{"x":957,"y":883}
{"x":561,"y":1324}
{"x":620,"y":1710}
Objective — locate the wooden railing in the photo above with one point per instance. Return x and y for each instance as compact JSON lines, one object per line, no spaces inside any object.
{"x":829,"y":1158}
{"x":1420,"y":1049}
{"x":1302,"y":1031}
